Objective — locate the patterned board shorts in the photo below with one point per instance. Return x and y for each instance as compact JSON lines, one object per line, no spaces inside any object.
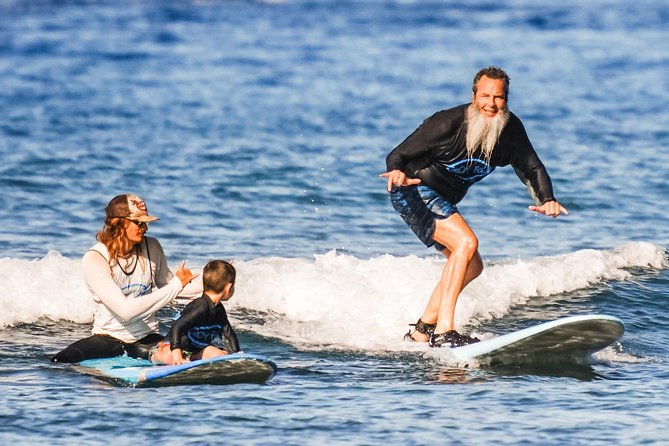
{"x":420,"y":206}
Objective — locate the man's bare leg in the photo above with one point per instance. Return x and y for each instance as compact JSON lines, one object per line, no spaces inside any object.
{"x":463,"y":266}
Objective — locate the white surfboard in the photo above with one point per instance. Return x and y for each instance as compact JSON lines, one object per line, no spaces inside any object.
{"x":568,"y":340}
{"x":229,"y":369}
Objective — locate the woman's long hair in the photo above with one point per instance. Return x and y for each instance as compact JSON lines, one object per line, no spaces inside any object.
{"x":112,"y":235}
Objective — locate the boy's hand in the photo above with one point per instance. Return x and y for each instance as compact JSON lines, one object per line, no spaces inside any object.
{"x":178,"y":357}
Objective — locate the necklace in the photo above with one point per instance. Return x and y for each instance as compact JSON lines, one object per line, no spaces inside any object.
{"x":131,"y":262}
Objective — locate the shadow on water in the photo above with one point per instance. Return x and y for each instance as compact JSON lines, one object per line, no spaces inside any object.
{"x":452,"y":375}
{"x":413,"y":368}
{"x":578,"y":372}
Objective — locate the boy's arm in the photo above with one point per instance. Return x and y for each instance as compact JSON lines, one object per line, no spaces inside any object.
{"x":231,"y":337}
{"x":229,"y":334}
{"x":184,"y":323}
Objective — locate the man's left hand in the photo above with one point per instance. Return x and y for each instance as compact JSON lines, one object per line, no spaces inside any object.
{"x":550,"y":208}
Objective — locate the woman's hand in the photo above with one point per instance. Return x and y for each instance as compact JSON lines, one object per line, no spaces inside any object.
{"x":184,"y":274}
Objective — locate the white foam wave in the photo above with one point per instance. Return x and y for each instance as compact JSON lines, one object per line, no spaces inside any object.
{"x":615,"y":354}
{"x":49,"y":287}
{"x":341,"y":301}
{"x":336,"y":300}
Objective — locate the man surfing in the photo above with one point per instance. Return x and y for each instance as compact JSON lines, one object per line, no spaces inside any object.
{"x":431,"y":171}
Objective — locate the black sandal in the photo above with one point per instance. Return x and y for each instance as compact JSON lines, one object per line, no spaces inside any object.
{"x":451,"y":339}
{"x":421,"y":327}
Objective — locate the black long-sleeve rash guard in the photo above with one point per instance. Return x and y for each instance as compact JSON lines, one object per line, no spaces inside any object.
{"x":436,"y":153}
{"x":199,"y":324}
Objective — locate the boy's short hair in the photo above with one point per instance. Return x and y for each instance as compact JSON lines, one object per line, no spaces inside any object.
{"x":217,"y":274}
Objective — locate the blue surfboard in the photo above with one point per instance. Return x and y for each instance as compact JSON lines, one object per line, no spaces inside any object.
{"x":567,"y":340}
{"x":229,"y":369}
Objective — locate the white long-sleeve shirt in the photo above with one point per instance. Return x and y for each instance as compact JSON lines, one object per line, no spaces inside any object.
{"x":125,"y":300}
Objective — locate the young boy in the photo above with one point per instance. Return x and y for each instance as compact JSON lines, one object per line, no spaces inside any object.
{"x":202,"y":320}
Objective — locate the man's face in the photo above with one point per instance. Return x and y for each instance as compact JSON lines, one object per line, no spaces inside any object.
{"x":489,"y":98}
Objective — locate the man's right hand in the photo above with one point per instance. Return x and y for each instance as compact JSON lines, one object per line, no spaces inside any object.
{"x":399,"y":178}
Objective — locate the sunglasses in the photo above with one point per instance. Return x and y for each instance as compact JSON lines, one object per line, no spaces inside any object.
{"x":141,"y":224}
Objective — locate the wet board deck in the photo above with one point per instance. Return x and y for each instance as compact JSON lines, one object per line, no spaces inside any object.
{"x":229,"y":369}
{"x":571,"y":339}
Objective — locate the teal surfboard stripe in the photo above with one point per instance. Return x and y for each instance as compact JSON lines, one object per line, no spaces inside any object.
{"x":162,"y":371}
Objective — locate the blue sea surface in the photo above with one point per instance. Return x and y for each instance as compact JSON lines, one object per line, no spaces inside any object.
{"x":256,"y":131}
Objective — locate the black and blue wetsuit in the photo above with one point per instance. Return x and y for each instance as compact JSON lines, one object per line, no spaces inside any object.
{"x":436,"y":153}
{"x":199,"y":324}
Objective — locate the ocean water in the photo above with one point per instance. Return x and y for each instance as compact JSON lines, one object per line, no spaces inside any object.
{"x":256,"y":131}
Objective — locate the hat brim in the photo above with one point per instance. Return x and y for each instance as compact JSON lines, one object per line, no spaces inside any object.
{"x":144,"y":218}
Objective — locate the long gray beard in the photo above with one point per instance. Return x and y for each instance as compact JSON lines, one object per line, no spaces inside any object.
{"x":484,"y":132}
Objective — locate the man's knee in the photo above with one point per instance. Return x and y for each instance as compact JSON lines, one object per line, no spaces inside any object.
{"x":456,"y":236}
{"x":467,"y":246}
